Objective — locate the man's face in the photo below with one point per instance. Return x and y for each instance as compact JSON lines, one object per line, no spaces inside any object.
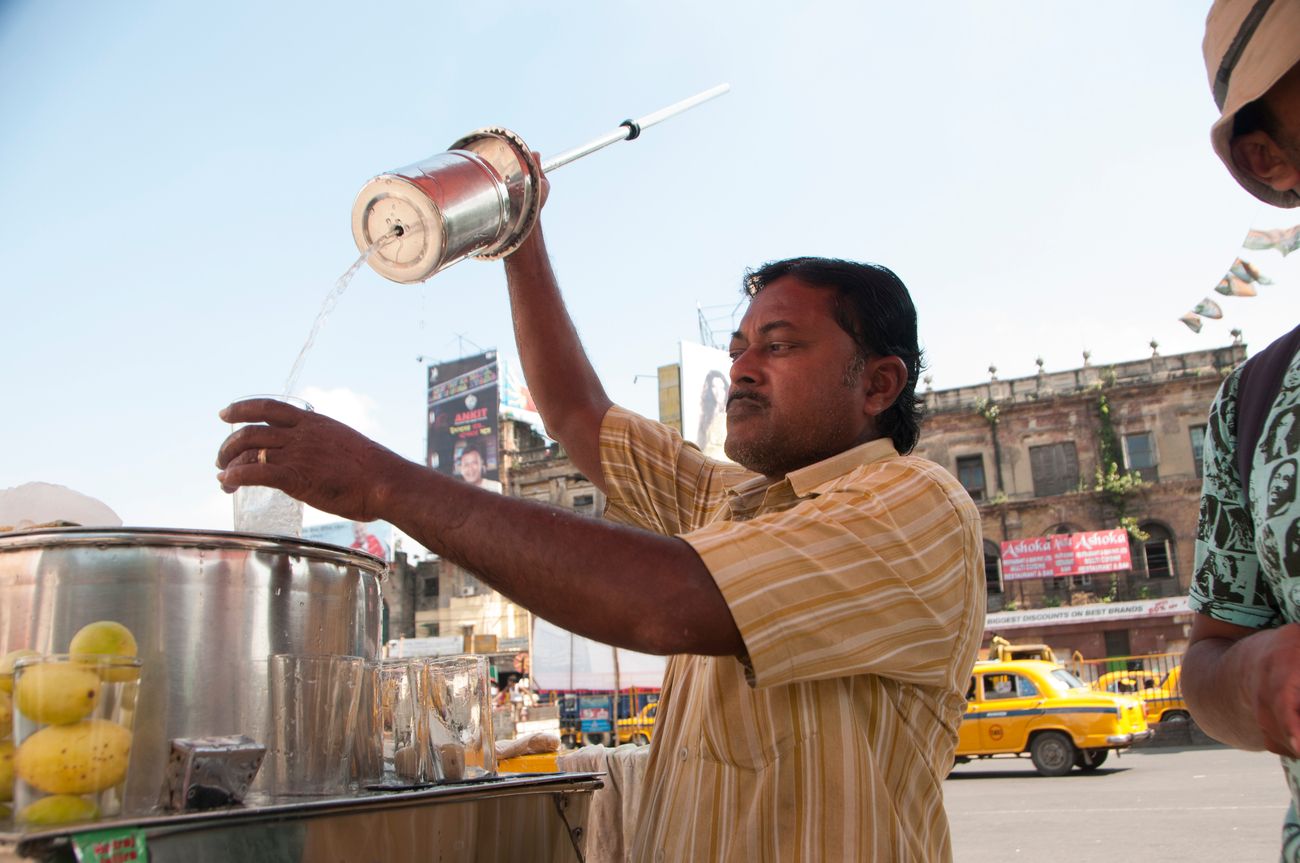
{"x":1284,"y":101}
{"x":471,"y":467}
{"x":793,"y":398}
{"x":1273,"y":156}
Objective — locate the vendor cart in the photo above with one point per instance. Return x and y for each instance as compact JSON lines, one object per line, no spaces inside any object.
{"x":510,"y":818}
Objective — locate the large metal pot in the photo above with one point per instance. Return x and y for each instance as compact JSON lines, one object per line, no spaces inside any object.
{"x":207,"y":609}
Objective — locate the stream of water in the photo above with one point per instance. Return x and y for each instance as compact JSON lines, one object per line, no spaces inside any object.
{"x":331,"y":300}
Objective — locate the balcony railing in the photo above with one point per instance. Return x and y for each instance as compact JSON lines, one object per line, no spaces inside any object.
{"x":1054,"y":592}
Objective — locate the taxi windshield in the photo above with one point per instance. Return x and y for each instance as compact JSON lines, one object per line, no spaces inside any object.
{"x":1062,"y":680}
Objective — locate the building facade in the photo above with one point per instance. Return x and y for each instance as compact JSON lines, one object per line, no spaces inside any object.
{"x":436,"y":598}
{"x":1062,"y":453}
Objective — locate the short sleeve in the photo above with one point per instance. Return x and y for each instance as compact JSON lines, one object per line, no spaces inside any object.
{"x":656,"y":480}
{"x":881,"y":575}
{"x":1227,"y":583}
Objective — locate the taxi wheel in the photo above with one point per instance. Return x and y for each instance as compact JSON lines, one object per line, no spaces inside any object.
{"x":1176,"y":716}
{"x":641,"y":739}
{"x":1052,"y":753}
{"x":1090,"y":759}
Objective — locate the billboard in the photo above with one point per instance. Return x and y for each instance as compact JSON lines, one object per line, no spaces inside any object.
{"x":1066,"y":554}
{"x":375,"y":537}
{"x":438,"y":645}
{"x":562,"y":660}
{"x":464,"y":400}
{"x":1142,"y":609}
{"x":705,"y":379}
{"x":516,"y":400}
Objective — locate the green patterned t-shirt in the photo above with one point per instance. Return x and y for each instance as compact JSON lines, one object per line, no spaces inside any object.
{"x":1247,"y":568}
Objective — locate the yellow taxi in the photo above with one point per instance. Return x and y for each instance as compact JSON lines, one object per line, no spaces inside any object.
{"x":1164,"y":702}
{"x":1040,"y":709}
{"x":1127,"y":682}
{"x":638,"y":729}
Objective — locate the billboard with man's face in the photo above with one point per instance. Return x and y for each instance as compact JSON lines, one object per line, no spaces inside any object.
{"x":463,"y":407}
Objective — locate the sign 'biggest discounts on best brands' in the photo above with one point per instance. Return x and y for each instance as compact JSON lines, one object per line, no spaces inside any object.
{"x":1066,"y":554}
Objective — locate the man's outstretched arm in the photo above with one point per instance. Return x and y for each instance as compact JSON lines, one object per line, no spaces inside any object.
{"x":619,"y":585}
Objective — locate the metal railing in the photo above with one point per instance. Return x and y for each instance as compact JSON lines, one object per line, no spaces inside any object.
{"x":1072,"y":590}
{"x":1154,"y":678}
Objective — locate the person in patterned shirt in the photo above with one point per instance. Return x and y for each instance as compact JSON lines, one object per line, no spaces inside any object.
{"x":1241,"y":673}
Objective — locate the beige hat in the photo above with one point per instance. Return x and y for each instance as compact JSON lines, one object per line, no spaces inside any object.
{"x":1249,"y":45}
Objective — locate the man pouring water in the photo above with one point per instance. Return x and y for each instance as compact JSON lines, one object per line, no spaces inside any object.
{"x":822,"y":599}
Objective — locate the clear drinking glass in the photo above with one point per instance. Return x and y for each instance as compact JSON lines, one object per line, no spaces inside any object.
{"x":368,"y":741}
{"x":403,"y":742}
{"x":458,"y":717}
{"x":73,"y":723}
{"x":313,"y":721}
{"x":259,"y":509}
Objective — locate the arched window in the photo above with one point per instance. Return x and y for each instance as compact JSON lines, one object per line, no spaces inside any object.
{"x":1157,"y":550}
{"x":992,"y":567}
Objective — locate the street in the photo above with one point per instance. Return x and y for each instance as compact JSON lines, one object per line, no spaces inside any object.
{"x":1195,"y":804}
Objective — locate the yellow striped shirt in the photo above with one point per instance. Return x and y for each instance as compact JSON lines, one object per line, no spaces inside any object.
{"x":857,"y":584}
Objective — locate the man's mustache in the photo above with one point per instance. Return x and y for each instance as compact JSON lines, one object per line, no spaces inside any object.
{"x":747,"y":394}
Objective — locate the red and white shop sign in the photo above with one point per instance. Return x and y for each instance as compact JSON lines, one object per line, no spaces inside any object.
{"x":1066,"y":554}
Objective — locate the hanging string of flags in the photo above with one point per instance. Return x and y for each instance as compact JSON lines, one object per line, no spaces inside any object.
{"x":1241,"y":280}
{"x":1243,"y":276}
{"x":1285,"y":240}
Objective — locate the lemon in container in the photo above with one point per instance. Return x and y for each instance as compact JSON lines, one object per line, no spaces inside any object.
{"x":73,"y":716}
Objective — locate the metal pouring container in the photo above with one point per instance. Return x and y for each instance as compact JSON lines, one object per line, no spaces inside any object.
{"x":207,"y":609}
{"x":480,"y":198}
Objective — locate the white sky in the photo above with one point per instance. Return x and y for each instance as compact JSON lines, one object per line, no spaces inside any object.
{"x":177,"y":183}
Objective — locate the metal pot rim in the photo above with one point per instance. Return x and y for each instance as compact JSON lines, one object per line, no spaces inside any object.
{"x":186,"y":538}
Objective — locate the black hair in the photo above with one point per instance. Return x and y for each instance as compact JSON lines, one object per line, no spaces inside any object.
{"x":873,"y":306}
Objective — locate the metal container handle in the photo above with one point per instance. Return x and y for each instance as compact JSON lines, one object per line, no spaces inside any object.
{"x":629,"y":130}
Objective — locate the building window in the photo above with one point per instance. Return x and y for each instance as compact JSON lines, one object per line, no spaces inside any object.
{"x":1055,"y":468}
{"x":1117,"y":643}
{"x":585,"y":504}
{"x":970,"y":473}
{"x":1198,"y":449}
{"x":431,"y":586}
{"x":1157,"y":549}
{"x":992,"y":568}
{"x":1140,"y":454}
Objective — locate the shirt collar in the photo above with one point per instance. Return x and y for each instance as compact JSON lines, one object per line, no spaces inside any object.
{"x":808,"y":479}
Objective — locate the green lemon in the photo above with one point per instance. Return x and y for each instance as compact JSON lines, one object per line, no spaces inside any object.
{"x":84,"y":758}
{"x":56,"y":693}
{"x":106,"y":638}
{"x":58,"y":809}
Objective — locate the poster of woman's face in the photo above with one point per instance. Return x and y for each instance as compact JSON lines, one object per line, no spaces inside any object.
{"x":705,"y":383}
